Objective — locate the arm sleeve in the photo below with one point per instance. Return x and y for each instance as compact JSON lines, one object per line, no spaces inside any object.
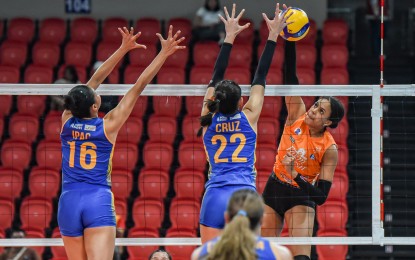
{"x":264,"y":64}
{"x":221,"y":64}
{"x":318,"y":193}
{"x":290,"y":64}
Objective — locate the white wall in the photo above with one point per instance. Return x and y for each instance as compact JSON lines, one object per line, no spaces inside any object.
{"x":163,"y":9}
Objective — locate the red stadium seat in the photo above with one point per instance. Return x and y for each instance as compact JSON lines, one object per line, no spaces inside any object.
{"x":193,"y":106}
{"x":306,"y":56}
{"x":170,"y":75}
{"x":125,"y":156}
{"x":16,"y":154}
{"x":274,"y":77}
{"x":148,"y":26}
{"x":190,"y":127}
{"x":261,"y":180}
{"x":239,"y":75}
{"x":11,"y":183}
{"x":271,"y":107}
{"x":334,"y":76}
{"x":265,"y":156}
{"x":110,"y":31}
{"x":241,"y":56}
{"x":153,"y":184}
{"x":189,"y":184}
{"x":178,"y":59}
{"x":23,"y":127}
{"x":58,"y":251}
{"x":148,"y":213}
{"x":7,"y":214}
{"x":277,"y":59}
{"x":1,"y":126}
{"x":131,"y":131}
{"x":5,"y":105}
{"x":80,"y":70}
{"x":167,"y":106}
{"x":246,"y":36}
{"x":343,"y":158}
{"x":335,"y":31}
{"x":192,"y":156}
{"x":131,"y":73}
{"x":84,"y":29}
{"x":141,"y":252}
{"x":205,"y":54}
{"x":142,"y":57}
{"x":332,"y":215}
{"x":162,"y":129}
{"x":44,"y":182}
{"x":52,"y":126}
{"x":9,"y":74}
{"x":106,"y":49}
{"x":35,"y":213}
{"x":268,"y":130}
{"x":13,"y":53}
{"x":341,"y":132}
{"x":339,"y":187}
{"x":201,"y":75}
{"x":78,"y":54}
{"x":121,"y":183}
{"x":184,"y":214}
{"x":21,"y":29}
{"x":157,"y":156}
{"x":140,"y":107}
{"x":182,"y":24}
{"x":45,"y":54}
{"x":31,"y":105}
{"x":329,"y":252}
{"x":334,"y":56}
{"x":121,"y":208}
{"x":49,"y":154}
{"x":180,"y":252}
{"x":38,"y":75}
{"x":306,"y":76}
{"x":35,"y":233}
{"x":311,"y":37}
{"x":52,"y":30}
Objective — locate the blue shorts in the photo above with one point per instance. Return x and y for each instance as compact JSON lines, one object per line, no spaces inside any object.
{"x":84,"y":205}
{"x":214,"y":205}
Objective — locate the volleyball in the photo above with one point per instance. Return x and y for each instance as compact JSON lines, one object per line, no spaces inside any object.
{"x":300,"y":26}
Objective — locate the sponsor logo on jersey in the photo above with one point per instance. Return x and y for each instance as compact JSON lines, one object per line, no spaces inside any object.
{"x":222,"y":118}
{"x":90,"y":128}
{"x":297,"y":131}
{"x":77,"y":126}
{"x":237,"y":116}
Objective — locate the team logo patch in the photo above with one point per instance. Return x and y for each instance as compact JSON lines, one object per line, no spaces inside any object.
{"x":237,"y":116}
{"x":297,"y":131}
{"x":221,"y":119}
{"x":90,"y":127}
{"x":312,"y":157}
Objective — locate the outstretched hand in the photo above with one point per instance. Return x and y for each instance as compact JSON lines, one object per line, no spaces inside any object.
{"x":129,"y":39}
{"x":276,"y":25}
{"x":232,"y":26}
{"x":171,"y":44}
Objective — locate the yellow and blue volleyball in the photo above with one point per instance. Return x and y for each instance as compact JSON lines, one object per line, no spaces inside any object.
{"x":299,"y":28}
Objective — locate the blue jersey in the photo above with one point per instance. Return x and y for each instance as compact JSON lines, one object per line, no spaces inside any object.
{"x":230,"y":148}
{"x":263,"y":249}
{"x":86,"y":152}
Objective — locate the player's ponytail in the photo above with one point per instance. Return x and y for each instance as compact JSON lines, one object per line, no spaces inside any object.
{"x":225,"y":101}
{"x":238,"y":240}
{"x":79,"y":100}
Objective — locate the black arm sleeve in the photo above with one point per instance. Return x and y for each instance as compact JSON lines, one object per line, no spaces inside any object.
{"x":221,"y":64}
{"x":264,"y":64}
{"x":290,"y":64}
{"x":317,"y":194}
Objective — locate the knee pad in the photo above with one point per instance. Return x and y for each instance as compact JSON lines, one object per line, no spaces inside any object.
{"x":301,"y":257}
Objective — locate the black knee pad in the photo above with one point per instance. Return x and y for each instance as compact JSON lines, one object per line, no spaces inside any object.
{"x":301,"y":257}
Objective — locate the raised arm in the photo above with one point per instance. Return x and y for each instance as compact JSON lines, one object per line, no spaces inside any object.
{"x":253,"y":107}
{"x":116,"y":117}
{"x":295,"y":105}
{"x":128,"y":43}
{"x":232,"y":29}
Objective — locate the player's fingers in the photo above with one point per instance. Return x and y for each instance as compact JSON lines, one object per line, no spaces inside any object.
{"x":121,"y":31}
{"x":176,"y":35}
{"x":240,"y":14}
{"x":170,"y":31}
{"x":126,"y":30}
{"x":226,"y":13}
{"x":233,"y":10}
{"x":221,"y":17}
{"x":160,"y":37}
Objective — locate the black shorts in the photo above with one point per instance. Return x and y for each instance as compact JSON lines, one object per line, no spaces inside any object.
{"x":282,"y":196}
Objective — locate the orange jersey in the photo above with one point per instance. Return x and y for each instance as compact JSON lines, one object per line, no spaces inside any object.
{"x":308,"y":152}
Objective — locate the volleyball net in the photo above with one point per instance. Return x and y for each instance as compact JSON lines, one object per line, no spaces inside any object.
{"x":371,"y":201}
